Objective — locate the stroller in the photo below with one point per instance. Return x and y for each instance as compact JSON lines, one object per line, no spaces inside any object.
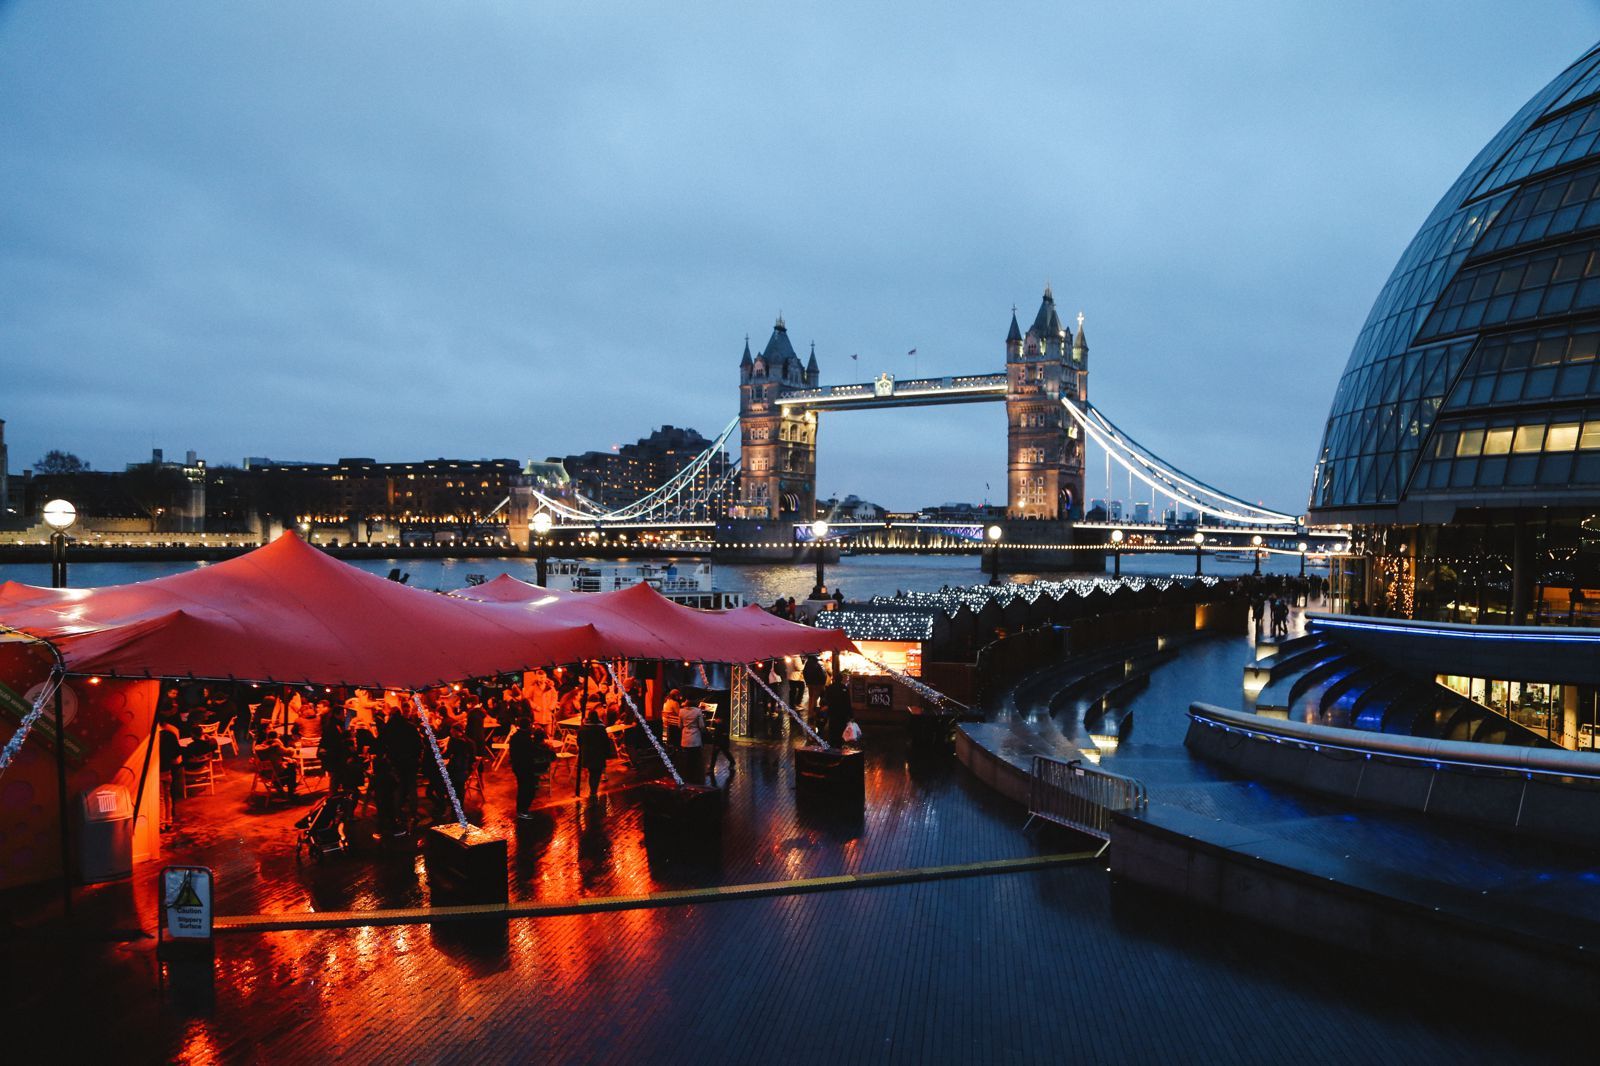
{"x":325,"y":829}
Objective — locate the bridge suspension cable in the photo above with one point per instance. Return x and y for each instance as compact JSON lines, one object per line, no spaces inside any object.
{"x":1162,"y":476}
{"x":675,"y":500}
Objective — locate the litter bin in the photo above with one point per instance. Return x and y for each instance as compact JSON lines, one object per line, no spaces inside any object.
{"x":105,"y":835}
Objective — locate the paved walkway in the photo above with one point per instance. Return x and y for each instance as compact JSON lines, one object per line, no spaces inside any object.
{"x":1011,"y":967}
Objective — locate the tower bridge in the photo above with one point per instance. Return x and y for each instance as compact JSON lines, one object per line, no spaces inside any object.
{"x":766,"y":498}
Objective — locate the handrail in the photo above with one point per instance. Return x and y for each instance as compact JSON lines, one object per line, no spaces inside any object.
{"x":1080,"y":797}
{"x":1438,"y":753}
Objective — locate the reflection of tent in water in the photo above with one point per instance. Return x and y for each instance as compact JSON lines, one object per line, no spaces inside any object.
{"x":187,"y":896}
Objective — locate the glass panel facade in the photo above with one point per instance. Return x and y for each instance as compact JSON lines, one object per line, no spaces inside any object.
{"x":1542,"y":284}
{"x":1543,"y":210}
{"x":1535,"y":448}
{"x":1547,"y":144}
{"x":1399,"y":373}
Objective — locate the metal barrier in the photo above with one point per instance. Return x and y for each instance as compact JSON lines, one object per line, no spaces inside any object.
{"x":1080,"y":797}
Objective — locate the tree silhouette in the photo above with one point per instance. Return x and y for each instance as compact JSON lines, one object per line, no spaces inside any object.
{"x":56,"y":461}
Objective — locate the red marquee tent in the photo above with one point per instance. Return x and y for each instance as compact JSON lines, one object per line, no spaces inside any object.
{"x":288,"y":612}
{"x":640,"y":623}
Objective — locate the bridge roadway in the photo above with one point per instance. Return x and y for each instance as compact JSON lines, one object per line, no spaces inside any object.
{"x":886,"y":391}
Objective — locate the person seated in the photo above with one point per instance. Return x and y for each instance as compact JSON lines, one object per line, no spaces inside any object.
{"x":199,"y":747}
{"x":277,"y":762}
{"x":312,"y":716}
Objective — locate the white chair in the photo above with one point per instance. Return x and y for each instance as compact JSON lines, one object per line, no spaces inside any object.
{"x":197,"y":776}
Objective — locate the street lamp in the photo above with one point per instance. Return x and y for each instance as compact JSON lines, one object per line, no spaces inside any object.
{"x":994,"y":533}
{"x":59,"y":515}
{"x":1199,"y":539}
{"x":538,"y":529}
{"x":1116,"y":548}
{"x":1255,"y":542}
{"x":1302,"y":547}
{"x":819,"y":534}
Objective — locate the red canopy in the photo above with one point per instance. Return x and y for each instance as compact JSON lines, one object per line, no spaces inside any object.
{"x":640,"y":623}
{"x":288,"y":612}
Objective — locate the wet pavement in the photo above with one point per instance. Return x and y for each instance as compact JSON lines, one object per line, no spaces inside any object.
{"x":1012,"y":967}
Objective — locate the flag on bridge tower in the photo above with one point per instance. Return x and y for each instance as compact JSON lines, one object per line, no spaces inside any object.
{"x":912,"y":352}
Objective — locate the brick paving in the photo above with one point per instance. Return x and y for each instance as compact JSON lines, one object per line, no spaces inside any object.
{"x":1013,"y":967}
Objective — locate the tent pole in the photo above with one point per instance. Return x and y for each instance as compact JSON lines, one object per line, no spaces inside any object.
{"x":61,"y":799}
{"x":144,"y":774}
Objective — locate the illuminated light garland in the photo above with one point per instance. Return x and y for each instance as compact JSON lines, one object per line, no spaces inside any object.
{"x":781,"y":702}
{"x":14,"y":745}
{"x":927,"y":692}
{"x":655,"y":741}
{"x":438,"y":757}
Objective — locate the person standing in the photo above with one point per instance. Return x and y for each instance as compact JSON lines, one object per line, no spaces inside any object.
{"x":460,"y":760}
{"x":717,"y":736}
{"x":530,"y":759}
{"x":836,"y":705}
{"x":797,"y":681}
{"x":594,"y":747}
{"x":402,"y":746}
{"x":693,"y":739}
{"x":816,"y":679}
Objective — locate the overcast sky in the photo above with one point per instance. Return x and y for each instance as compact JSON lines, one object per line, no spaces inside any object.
{"x":409,"y":230}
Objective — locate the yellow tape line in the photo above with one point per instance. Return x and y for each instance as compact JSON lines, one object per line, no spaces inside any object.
{"x":259,"y":923}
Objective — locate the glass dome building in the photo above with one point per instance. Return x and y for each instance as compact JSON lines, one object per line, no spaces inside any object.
{"x":1463,"y":444}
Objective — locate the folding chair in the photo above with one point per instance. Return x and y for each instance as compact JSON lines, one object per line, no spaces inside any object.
{"x":197,"y":776}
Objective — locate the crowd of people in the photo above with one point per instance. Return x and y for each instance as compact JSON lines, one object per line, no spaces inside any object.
{"x":373,"y":744}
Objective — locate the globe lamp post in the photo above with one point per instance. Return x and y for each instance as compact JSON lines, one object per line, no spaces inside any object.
{"x":59,"y":515}
{"x":1302,"y":547}
{"x":1199,"y":539}
{"x":993,"y":535}
{"x":819,"y":534}
{"x":538,"y":530}
{"x":1255,"y":542}
{"x":1116,"y":549}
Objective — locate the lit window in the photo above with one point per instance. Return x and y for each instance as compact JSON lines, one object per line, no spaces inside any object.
{"x":1497,"y":441}
{"x":1471,"y":442}
{"x":1591,"y":436}
{"x":1528,"y":439}
{"x":1563,"y":437}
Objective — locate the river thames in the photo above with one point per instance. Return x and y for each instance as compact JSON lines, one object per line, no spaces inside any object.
{"x":858,"y":576}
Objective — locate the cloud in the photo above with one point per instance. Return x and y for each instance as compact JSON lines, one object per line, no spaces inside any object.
{"x":505,"y":230}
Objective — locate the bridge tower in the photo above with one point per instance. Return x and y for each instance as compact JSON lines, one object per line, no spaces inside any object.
{"x":1044,"y":449}
{"x":778,"y":444}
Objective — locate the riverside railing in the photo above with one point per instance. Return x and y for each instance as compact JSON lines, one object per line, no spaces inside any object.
{"x":1080,"y":797}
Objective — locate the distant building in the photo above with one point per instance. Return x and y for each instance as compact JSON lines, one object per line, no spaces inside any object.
{"x":851,"y":509}
{"x":155,"y":496}
{"x":5,"y":478}
{"x":466,"y":495}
